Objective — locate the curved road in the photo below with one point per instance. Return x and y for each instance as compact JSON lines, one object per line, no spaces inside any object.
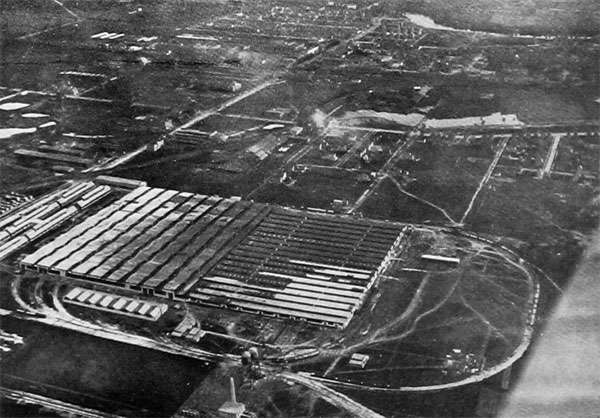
{"x":335,"y":398}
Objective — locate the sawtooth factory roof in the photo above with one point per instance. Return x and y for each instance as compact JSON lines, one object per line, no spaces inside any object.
{"x":226,"y":252}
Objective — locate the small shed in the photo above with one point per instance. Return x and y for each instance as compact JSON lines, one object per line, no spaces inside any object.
{"x":359,"y":360}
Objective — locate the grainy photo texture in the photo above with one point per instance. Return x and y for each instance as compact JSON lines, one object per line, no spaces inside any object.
{"x":299,"y":208}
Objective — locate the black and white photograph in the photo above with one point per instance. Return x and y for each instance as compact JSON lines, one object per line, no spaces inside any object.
{"x":299,"y":208}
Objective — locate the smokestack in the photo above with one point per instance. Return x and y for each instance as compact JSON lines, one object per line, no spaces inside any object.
{"x":232,"y":390}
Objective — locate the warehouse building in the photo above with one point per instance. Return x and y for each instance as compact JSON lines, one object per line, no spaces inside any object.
{"x":228,"y":253}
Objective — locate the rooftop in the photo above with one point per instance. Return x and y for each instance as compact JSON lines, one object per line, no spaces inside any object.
{"x":228,"y":253}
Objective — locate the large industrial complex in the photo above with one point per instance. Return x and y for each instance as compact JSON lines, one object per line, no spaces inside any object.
{"x":226,"y":252}
{"x":306,"y":286}
{"x":285,"y":209}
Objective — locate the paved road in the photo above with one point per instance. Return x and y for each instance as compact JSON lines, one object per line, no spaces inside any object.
{"x":206,"y":113}
{"x":551,"y":153}
{"x":486,"y":177}
{"x":335,"y":398}
{"x":384,"y":171}
{"x":113,"y":163}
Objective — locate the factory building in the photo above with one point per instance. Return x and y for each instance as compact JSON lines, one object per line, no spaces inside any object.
{"x":227,"y":253}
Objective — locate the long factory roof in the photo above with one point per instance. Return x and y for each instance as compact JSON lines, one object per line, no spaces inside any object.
{"x":226,"y":252}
